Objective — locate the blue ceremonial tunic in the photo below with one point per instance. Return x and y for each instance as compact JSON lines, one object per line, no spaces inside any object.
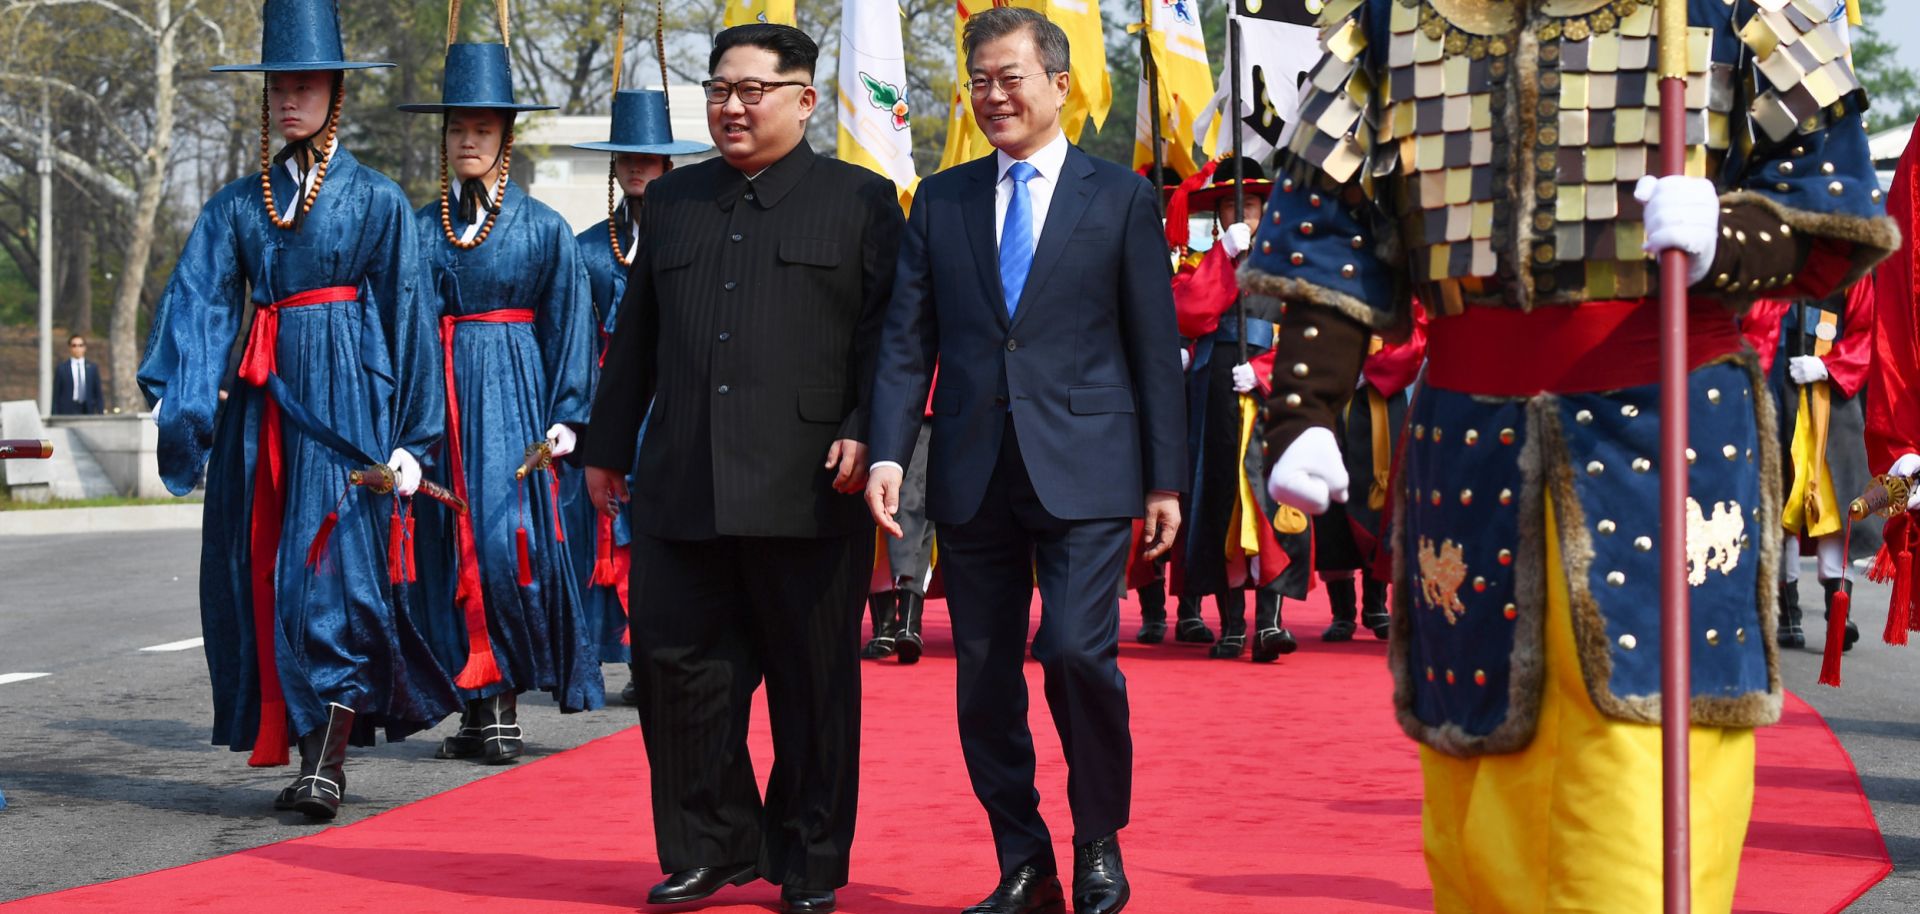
{"x":362,"y":369}
{"x":513,"y":381}
{"x":607,"y":278}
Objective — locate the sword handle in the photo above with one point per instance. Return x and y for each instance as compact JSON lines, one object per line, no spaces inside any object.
{"x":1885,"y":495}
{"x":376,"y":478}
{"x":539,"y":456}
{"x":25,"y":449}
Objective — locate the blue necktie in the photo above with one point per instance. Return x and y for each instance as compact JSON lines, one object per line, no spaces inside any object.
{"x":1016,"y":236}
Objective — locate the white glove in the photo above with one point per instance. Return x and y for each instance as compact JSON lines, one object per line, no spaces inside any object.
{"x":1681,"y":213}
{"x":1186,"y":359}
{"x":1907,"y":465}
{"x":406,"y":472}
{"x":1806,"y":369}
{"x":561,"y":439}
{"x":1310,"y":473}
{"x":1242,"y":378}
{"x":1237,"y":240}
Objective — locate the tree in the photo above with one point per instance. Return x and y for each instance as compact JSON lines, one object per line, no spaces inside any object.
{"x":1892,"y":90}
{"x":158,"y":40}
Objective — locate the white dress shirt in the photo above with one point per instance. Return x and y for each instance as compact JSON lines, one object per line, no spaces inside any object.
{"x":79,"y":369}
{"x":1049,"y":160}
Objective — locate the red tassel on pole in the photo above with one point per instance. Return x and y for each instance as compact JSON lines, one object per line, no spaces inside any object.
{"x":1836,"y":638}
{"x":526,"y":560}
{"x":319,"y":547}
{"x":553,"y":486}
{"x":1900,"y":616}
{"x":412,"y":576}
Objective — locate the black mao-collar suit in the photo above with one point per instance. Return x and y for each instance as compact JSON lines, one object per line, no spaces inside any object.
{"x":749,"y":325}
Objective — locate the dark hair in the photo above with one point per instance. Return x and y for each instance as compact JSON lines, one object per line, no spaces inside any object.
{"x":999,"y":22}
{"x":795,"y":50}
{"x":78,"y":336}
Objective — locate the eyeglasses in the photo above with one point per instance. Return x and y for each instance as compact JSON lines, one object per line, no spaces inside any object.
{"x":982,"y":86}
{"x":749,"y":90}
{"x":76,"y":345}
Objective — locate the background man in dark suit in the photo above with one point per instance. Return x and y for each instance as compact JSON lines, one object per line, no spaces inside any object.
{"x":751,"y":314}
{"x":1038,"y":279}
{"x":76,"y":383}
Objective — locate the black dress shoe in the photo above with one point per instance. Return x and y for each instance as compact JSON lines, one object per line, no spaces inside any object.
{"x":1151,"y":632}
{"x":806,"y":901}
{"x":699,"y":883}
{"x":1024,"y":891}
{"x":1099,"y":883}
{"x":1192,"y":631}
{"x":1270,"y":643}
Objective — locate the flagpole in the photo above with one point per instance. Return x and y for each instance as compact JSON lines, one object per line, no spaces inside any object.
{"x":1676,"y":681}
{"x":1239,"y":169}
{"x":1153,"y":97}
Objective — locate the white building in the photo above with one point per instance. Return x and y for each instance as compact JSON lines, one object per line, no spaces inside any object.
{"x":574,"y":181}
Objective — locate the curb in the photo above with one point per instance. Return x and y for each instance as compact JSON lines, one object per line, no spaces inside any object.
{"x":130,"y":519}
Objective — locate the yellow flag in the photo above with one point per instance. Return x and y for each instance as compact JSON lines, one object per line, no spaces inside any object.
{"x":1089,"y":92}
{"x":742,"y":12}
{"x":1186,"y":83}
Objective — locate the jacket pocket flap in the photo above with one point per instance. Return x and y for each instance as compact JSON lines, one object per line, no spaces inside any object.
{"x":822,"y":404}
{"x":814,"y":252}
{"x":674,"y":256}
{"x":1106,"y":398}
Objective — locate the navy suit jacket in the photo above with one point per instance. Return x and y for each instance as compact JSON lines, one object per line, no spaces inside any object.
{"x":89,"y":403}
{"x":1088,"y":363}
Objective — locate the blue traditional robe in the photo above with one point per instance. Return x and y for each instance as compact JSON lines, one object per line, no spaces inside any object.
{"x":607,"y":278}
{"x":363,"y":369}
{"x":511,"y":382}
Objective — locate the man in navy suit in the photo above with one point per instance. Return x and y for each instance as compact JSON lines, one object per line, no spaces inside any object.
{"x":1038,"y":279}
{"x":76,"y":383}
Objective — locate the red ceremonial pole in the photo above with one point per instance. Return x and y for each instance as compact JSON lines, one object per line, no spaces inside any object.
{"x":1676,"y":630}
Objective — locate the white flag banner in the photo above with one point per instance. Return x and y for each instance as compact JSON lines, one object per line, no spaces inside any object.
{"x":875,"y":116}
{"x":1274,"y":58}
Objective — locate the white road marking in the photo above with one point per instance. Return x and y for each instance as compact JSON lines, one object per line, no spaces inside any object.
{"x":186,"y":645}
{"x":8,"y":678}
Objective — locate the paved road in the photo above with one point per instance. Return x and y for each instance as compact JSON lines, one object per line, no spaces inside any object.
{"x":114,"y":741}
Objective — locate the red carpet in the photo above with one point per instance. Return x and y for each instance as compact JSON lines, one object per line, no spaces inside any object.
{"x":1281,"y":788}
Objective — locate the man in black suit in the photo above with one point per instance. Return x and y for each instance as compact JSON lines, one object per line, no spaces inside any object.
{"x":76,"y":383}
{"x":752,"y":310}
{"x":1038,"y":279}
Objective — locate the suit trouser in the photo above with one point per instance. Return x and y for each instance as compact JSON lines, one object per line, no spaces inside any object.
{"x":911,"y":555}
{"x":711,"y":619}
{"x":990,"y":564}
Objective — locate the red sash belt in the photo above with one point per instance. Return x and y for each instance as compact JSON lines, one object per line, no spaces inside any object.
{"x":481,"y":669}
{"x":269,"y":508}
{"x":1597,"y":346}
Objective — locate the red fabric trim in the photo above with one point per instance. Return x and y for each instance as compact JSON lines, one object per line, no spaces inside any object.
{"x":1606,"y":345}
{"x":268,"y":510}
{"x":1393,"y":368}
{"x":481,"y":669}
{"x":1202,"y":295}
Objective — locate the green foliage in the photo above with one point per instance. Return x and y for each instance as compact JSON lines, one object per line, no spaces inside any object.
{"x":1893,"y":91}
{"x":19,"y":301}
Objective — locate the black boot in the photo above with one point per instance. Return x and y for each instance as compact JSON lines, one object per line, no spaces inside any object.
{"x":1270,"y":640}
{"x":884,"y":608}
{"x":906,"y":638}
{"x":1373,"y":607}
{"x":1233,"y":625}
{"x":465,"y":742}
{"x":1189,"y":629}
{"x":1853,"y":631}
{"x":323,"y":758}
{"x":1340,"y":594}
{"x":1153,"y":614}
{"x":630,"y":693}
{"x":501,"y":740}
{"x":1791,"y":634}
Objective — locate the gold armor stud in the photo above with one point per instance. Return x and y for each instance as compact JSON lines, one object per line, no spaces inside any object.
{"x":1479,"y":677}
{"x":1713,"y":395}
{"x":1348,"y":271}
{"x":1596,"y":468}
{"x":1311,"y":333}
{"x":1472,"y":437}
{"x":1297,"y":259}
{"x":1630,"y":411}
{"x":1466,"y":496}
{"x":1306,"y":228}
{"x":1642,"y":464}
{"x":1510,"y":611}
{"x":1584,"y":417}
{"x":1506,"y":556}
{"x":1506,"y":436}
{"x":1606,"y":527}
{"x":1479,"y":585}
{"x":1643,"y":543}
{"x":1713,"y":637}
{"x":1836,"y":188}
{"x":1730,"y":452}
{"x":1617,"y":578}
{"x":1506,"y":496}
{"x":1628,"y":642}
{"x":1300,"y":369}
{"x":1293,"y":400}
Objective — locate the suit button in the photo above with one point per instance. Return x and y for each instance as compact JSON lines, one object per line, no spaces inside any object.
{"x":731,"y":285}
{"x":999,"y":401}
{"x":725,"y":336}
{"x":736,"y":236}
{"x":1013,"y":345}
{"x":724,"y":390}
